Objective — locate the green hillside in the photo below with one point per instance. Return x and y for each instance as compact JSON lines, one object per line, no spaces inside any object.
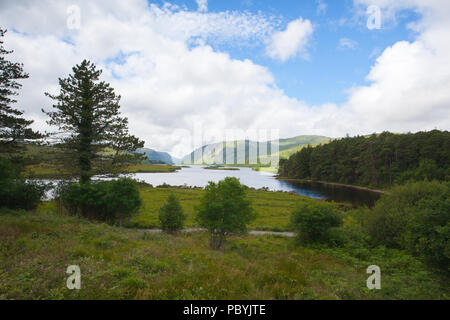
{"x":156,"y":157}
{"x":217,"y":152}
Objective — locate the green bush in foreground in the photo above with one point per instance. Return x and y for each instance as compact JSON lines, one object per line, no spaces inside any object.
{"x":16,"y":192}
{"x":110,"y":201}
{"x":171,"y":215}
{"x":414,"y":216}
{"x":316,"y":221}
{"x":224,"y":209}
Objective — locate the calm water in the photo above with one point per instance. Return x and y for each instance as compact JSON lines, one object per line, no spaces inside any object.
{"x":197,"y":176}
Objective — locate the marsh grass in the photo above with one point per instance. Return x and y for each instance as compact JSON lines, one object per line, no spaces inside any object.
{"x":54,"y":171}
{"x":119,"y":263}
{"x":273,"y":208}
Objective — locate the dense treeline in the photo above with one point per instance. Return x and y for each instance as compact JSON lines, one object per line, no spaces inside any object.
{"x":376,"y":160}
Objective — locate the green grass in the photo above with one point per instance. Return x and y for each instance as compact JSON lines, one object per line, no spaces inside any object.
{"x":46,"y":170}
{"x":273,"y":208}
{"x":266,"y":169}
{"x":37,"y":248}
{"x":150,"y":168}
{"x":221,"y":168}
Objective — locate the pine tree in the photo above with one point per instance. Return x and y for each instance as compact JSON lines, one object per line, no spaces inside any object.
{"x":94,"y":134}
{"x":13,"y":127}
{"x":171,"y":215}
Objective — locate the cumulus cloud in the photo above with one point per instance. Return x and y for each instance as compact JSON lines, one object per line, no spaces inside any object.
{"x":292,"y":41}
{"x":409,"y":85}
{"x":171,"y":84}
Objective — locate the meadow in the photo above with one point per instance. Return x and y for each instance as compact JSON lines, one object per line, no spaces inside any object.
{"x":273,"y":208}
{"x":119,"y":263}
{"x":52,"y":171}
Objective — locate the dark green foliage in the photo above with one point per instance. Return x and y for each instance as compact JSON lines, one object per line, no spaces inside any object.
{"x":429,"y":232}
{"x":87,"y":112}
{"x":376,"y":160}
{"x":171,"y":215}
{"x":415,"y":216}
{"x":16,"y":192}
{"x":13,"y":128}
{"x":224,"y":209}
{"x":314,"y":222}
{"x":110,"y":201}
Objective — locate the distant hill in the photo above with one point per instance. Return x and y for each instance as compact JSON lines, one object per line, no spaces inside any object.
{"x":156,"y":157}
{"x":214,"y":153}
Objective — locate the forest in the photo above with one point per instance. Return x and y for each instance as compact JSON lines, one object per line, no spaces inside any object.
{"x":378,"y":160}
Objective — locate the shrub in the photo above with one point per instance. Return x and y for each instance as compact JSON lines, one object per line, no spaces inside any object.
{"x":388,"y":222}
{"x":110,"y":201}
{"x":224,"y":209}
{"x":313,"y":221}
{"x":16,"y":192}
{"x":122,"y":198}
{"x":415,"y":216}
{"x":171,"y":215}
{"x":428,"y":232}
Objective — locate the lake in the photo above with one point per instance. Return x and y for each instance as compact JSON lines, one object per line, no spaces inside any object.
{"x":197,"y":176}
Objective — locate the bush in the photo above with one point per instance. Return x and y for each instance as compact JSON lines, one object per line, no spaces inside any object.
{"x":314,"y":221}
{"x":224,"y":209}
{"x":109,"y":201}
{"x":122,"y":198}
{"x":388,"y":222}
{"x":415,"y":216}
{"x":171,"y":215}
{"x":428,"y":233}
{"x":16,"y":192}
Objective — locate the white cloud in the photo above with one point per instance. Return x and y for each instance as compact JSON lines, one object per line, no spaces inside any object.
{"x":409,"y":85}
{"x":169,"y":86}
{"x":292,"y":41}
{"x":202,"y":5}
{"x":346,"y":43}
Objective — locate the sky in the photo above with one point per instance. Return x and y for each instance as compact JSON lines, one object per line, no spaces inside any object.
{"x":197,"y":68}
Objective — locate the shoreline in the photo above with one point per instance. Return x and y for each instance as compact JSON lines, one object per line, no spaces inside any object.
{"x":333,"y":184}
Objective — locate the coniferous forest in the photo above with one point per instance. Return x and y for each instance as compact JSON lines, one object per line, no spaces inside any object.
{"x":377,"y":160}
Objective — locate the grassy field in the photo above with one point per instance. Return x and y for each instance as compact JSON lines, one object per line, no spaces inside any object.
{"x":45,"y":170}
{"x":273,"y":208}
{"x":119,"y":263}
{"x":266,"y":169}
{"x":221,"y":168}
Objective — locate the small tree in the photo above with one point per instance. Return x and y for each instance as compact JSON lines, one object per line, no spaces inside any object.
{"x":13,"y":127}
{"x":171,"y":215}
{"x":224,"y":209}
{"x":313,"y":220}
{"x":94,"y":133}
{"x":123,"y":199}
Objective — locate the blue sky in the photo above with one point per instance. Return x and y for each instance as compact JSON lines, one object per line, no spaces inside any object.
{"x":329,"y":71}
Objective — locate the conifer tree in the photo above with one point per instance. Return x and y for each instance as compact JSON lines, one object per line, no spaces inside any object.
{"x":13,"y":127}
{"x":93,"y":134}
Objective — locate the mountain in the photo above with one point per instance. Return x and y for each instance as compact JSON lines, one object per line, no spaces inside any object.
{"x":215,"y":152}
{"x":156,"y":156}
